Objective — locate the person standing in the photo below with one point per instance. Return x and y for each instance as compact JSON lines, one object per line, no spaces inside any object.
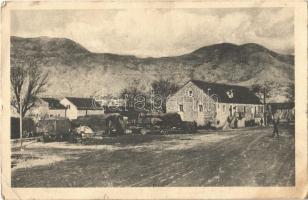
{"x":261,"y":122}
{"x":275,"y":125}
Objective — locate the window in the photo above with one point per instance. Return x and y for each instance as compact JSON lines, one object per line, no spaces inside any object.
{"x":181,"y":108}
{"x":262,"y":109}
{"x":190,"y":93}
{"x":224,"y":108}
{"x":244,"y":109}
{"x":200,"y":108}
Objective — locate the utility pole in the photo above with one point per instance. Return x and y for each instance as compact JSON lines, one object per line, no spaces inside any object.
{"x":20,"y":122}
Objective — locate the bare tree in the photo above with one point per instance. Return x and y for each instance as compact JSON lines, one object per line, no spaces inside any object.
{"x":164,"y":88}
{"x":263,"y":91}
{"x":290,"y":92}
{"x":27,"y":82}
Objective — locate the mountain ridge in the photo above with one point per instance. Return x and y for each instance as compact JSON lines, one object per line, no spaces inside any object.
{"x":67,"y":62}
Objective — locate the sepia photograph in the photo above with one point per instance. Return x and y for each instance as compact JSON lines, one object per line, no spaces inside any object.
{"x":154,"y":97}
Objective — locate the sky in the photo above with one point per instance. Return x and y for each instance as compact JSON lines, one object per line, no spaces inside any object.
{"x":160,"y":32}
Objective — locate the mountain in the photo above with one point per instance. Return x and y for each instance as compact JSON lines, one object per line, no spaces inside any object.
{"x":75,"y":71}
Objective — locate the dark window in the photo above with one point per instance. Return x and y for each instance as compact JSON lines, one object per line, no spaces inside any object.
{"x":181,"y":108}
{"x":190,"y":93}
{"x":244,"y":109}
{"x":200,"y":108}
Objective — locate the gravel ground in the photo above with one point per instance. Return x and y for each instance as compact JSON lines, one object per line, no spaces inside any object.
{"x":242,"y":157}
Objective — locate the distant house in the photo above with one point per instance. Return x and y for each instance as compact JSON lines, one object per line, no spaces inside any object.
{"x":205,"y":102}
{"x":48,"y":107}
{"x":77,"y":106}
{"x":111,"y":102}
{"x":285,"y":111}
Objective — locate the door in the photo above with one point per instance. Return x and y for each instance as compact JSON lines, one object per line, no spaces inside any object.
{"x":230,"y":110}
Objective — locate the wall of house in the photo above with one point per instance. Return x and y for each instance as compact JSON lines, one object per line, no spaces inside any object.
{"x":197,"y":106}
{"x":243,"y":111}
{"x":41,"y":109}
{"x":89,"y":112}
{"x":285,"y":115}
{"x":58,"y":113}
{"x":71,"y":112}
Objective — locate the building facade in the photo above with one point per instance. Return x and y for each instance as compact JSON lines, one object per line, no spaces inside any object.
{"x":47,"y":107}
{"x":205,"y":102}
{"x":77,"y":106}
{"x":285,"y":111}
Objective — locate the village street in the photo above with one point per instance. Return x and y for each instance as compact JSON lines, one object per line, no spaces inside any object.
{"x":242,"y":157}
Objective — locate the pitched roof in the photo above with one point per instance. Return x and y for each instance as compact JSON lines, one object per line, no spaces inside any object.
{"x":286,"y":105}
{"x":53,"y":103}
{"x":228,"y":93}
{"x":85,"y":103}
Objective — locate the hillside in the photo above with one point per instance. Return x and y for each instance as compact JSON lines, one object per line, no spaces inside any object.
{"x":75,"y":71}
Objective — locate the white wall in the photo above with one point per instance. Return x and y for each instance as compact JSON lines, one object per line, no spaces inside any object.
{"x":89,"y":112}
{"x":58,"y":112}
{"x":71,"y":111}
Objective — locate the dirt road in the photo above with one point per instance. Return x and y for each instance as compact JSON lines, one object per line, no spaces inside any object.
{"x":247,"y":157}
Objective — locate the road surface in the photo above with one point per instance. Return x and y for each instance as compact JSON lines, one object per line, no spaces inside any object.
{"x":246,"y":157}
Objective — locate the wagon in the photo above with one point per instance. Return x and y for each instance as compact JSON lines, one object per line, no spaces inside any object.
{"x":165,"y":123}
{"x":54,"y":129}
{"x":106,"y":124}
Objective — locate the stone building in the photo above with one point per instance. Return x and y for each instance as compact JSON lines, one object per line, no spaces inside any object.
{"x":205,"y":102}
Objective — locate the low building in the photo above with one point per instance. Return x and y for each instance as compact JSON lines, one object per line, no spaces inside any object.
{"x":111,"y":102}
{"x":77,"y":106}
{"x":47,"y":107}
{"x":205,"y":102}
{"x":285,"y":111}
